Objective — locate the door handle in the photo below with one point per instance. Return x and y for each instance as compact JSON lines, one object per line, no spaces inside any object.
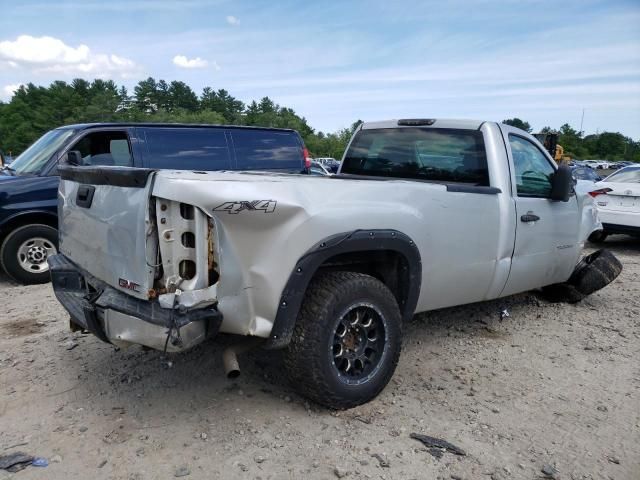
{"x":84,"y":198}
{"x":529,"y":217}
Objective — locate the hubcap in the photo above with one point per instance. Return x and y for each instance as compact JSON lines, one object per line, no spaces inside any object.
{"x":33,"y":254}
{"x":359,"y":343}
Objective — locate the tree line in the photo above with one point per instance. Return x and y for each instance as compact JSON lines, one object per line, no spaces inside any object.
{"x":34,"y":110}
{"x":600,"y":146}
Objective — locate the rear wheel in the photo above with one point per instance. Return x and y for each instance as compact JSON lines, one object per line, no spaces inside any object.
{"x":347,"y":340}
{"x":25,"y":251}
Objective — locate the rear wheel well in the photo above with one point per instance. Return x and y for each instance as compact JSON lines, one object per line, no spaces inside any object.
{"x":388,"y":266}
{"x":35,"y":218}
{"x":387,"y":255}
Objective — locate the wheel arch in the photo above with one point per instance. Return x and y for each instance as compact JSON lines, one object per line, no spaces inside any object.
{"x":30,"y":217}
{"x":389,"y":255}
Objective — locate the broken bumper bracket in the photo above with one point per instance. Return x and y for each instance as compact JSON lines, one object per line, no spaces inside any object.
{"x":116,"y":317}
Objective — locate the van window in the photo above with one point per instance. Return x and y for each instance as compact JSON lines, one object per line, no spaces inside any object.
{"x":109,"y":148}
{"x":267,"y":150}
{"x":187,"y":148}
{"x":433,"y":154}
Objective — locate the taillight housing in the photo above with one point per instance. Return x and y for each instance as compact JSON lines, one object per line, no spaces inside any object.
{"x":307,"y":157}
{"x":602,"y":191}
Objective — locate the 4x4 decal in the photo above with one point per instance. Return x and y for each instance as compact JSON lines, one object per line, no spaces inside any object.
{"x":266,"y":206}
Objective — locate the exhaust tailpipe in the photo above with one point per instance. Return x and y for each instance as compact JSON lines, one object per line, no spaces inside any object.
{"x":230,"y":355}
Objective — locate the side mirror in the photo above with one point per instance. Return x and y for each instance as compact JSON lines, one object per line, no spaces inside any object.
{"x":73,"y":157}
{"x":561,"y":184}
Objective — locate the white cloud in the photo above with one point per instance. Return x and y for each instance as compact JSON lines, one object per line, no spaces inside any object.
{"x":9,"y":90}
{"x":42,"y":50}
{"x":49,"y":54}
{"x":184,"y":62}
{"x":231,"y":20}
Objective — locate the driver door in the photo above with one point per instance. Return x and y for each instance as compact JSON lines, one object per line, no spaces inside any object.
{"x":546,"y":245}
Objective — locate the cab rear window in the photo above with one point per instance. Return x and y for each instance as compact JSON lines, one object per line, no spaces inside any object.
{"x":188,"y":148}
{"x":267,"y":150}
{"x":440,"y":155}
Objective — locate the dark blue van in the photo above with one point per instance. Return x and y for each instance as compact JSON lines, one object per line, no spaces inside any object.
{"x":29,"y":185}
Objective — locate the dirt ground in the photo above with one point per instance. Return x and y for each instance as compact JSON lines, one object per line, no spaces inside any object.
{"x":552,"y":385}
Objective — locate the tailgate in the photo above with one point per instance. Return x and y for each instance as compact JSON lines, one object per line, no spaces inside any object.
{"x":105,"y":224}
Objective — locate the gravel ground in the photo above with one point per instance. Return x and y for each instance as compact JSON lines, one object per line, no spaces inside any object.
{"x":553,"y":386}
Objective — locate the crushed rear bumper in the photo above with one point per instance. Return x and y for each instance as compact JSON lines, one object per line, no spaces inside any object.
{"x":121,"y":319}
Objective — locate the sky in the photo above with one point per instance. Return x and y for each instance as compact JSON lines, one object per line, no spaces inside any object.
{"x":335,"y":62}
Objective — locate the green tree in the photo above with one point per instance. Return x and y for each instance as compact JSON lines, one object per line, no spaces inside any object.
{"x":181,"y":96}
{"x":146,"y":95}
{"x":163,"y":96}
{"x":223,"y":103}
{"x":571,"y":141}
{"x":516,"y":122}
{"x":33,"y":110}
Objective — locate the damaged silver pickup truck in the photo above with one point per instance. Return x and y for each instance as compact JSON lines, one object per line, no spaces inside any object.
{"x":424,"y":214}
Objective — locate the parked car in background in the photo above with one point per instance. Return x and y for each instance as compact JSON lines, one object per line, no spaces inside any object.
{"x":5,"y":159}
{"x":585,"y":173}
{"x":596,"y":164}
{"x":331,"y":164}
{"x":29,"y":185}
{"x":318,"y":169}
{"x":617,"y":199}
{"x":615,"y":165}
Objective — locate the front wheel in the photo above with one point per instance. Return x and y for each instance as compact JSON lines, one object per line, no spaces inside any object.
{"x":25,"y":251}
{"x":347,"y":340}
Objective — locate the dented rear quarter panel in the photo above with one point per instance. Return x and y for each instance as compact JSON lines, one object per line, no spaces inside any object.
{"x":258,"y":250}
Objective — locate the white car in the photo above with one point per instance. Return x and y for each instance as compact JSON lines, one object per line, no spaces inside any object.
{"x":597,"y":164}
{"x":617,"y":199}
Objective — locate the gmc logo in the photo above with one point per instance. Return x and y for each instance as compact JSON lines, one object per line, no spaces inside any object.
{"x":126,"y":284}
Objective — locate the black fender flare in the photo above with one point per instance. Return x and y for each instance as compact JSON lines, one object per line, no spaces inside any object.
{"x":348,"y":242}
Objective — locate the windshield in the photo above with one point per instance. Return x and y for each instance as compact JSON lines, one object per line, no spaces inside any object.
{"x":626,"y":175}
{"x":34,"y":158}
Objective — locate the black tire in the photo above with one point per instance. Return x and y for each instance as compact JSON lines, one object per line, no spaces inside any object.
{"x":45,"y":240}
{"x":561,"y":292}
{"x":595,"y":271}
{"x":598,"y":236}
{"x":316,"y":362}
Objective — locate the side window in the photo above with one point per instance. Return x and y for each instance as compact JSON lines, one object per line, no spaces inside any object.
{"x":105,"y":148}
{"x":267,"y":150}
{"x":533,"y":169}
{"x":187,"y":148}
{"x":435,"y":154}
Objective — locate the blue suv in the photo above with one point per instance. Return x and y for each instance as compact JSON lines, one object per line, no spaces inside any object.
{"x":29,"y":185}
